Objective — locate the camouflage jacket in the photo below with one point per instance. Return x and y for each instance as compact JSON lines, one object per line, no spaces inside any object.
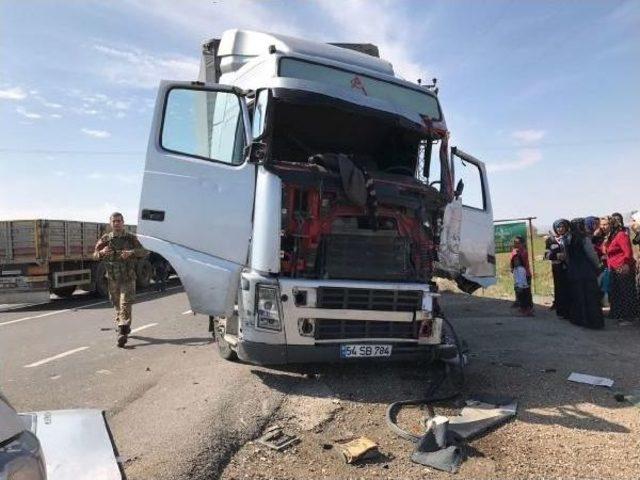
{"x":119,"y":269}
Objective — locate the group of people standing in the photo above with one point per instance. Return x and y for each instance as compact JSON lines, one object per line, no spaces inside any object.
{"x":592,"y":259}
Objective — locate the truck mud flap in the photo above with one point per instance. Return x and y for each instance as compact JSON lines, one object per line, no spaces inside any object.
{"x":77,"y":444}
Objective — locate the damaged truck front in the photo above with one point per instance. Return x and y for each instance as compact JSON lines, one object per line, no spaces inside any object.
{"x":308,"y":201}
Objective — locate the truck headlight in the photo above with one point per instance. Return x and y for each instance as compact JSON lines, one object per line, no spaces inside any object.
{"x":268,"y":311}
{"x":21,"y":458}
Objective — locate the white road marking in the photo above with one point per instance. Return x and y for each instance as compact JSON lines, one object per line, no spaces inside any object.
{"x":55,"y":357}
{"x":148,"y":325}
{"x":55,"y":312}
{"x":187,"y":312}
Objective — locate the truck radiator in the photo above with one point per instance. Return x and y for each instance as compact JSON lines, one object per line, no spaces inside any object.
{"x":332,"y":329}
{"x":366,"y":257}
{"x":368,"y":299}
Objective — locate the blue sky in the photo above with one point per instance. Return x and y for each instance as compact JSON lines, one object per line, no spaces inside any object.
{"x":545,"y":93}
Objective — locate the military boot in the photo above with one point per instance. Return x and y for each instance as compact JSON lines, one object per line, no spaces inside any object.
{"x":123,"y":331}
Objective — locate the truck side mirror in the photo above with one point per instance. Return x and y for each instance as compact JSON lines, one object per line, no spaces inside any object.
{"x":257,"y":152}
{"x":459,"y":189}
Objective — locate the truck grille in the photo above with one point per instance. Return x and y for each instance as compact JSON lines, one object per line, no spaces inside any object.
{"x":369,"y":299}
{"x":366,"y":257}
{"x":332,"y":329}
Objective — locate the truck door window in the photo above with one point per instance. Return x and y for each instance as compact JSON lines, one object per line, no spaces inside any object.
{"x":204,"y":124}
{"x":471,"y":176}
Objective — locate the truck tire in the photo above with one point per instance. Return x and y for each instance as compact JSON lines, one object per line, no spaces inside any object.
{"x":224,"y":349}
{"x":64,"y":292}
{"x":144,"y":272}
{"x":101,"y":283}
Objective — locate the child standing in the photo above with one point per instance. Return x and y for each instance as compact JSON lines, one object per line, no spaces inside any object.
{"x":522,"y":286}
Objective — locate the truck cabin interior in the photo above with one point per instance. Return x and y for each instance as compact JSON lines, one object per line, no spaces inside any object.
{"x":352,"y":205}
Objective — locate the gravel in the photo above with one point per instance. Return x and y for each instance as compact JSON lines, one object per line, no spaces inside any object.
{"x":562,"y":430}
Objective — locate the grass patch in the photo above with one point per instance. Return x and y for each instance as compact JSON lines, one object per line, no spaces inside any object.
{"x":543,"y":279}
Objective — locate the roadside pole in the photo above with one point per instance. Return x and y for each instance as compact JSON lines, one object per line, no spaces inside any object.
{"x":533,"y":258}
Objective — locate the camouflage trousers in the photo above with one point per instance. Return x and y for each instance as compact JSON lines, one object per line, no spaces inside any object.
{"x":122,"y":294}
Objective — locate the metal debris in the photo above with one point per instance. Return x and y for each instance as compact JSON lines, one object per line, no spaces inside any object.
{"x":276,"y":439}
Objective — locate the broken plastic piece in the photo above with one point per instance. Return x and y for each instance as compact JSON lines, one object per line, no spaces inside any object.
{"x":276,"y":439}
{"x":438,"y":447}
{"x":447,"y":459}
{"x":590,"y":380}
{"x":359,"y":449}
{"x":481,"y":414}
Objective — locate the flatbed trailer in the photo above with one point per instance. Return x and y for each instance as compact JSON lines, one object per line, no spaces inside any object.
{"x":39,"y":257}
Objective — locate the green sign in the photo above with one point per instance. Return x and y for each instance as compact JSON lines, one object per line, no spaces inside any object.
{"x":504,"y":234}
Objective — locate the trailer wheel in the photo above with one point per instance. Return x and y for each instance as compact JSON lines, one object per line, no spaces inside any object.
{"x":64,"y":292}
{"x":101,"y":282}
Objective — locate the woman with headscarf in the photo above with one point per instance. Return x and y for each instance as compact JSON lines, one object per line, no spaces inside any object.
{"x":623,"y":295}
{"x":599,"y":238}
{"x":583,"y":265}
{"x":520,"y":259}
{"x":556,"y":254}
{"x":591,"y":224}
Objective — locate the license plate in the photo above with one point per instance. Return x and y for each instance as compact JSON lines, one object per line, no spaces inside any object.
{"x":356,"y":350}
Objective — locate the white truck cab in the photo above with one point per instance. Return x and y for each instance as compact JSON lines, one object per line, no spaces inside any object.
{"x":308,"y":199}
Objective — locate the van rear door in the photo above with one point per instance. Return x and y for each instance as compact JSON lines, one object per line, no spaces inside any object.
{"x":197,"y":194}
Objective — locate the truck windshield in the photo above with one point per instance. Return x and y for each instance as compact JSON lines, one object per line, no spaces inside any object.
{"x":413,"y":99}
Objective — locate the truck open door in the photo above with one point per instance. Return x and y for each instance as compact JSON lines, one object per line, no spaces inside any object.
{"x":467,"y":247}
{"x":197,"y":195}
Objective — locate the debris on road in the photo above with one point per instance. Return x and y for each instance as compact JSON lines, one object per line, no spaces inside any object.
{"x":590,"y":380}
{"x":438,"y":448}
{"x":361,"y":448}
{"x":481,"y":414}
{"x":276,"y":439}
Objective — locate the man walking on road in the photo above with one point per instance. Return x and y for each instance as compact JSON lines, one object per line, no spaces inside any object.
{"x":119,"y":250}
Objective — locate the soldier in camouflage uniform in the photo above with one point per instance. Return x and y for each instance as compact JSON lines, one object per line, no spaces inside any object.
{"x":120,"y":250}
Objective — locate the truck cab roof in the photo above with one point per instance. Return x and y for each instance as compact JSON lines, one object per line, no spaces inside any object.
{"x":237,"y":47}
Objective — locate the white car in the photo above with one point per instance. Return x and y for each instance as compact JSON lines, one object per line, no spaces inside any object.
{"x":20,"y":452}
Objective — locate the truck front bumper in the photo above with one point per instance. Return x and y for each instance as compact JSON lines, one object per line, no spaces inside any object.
{"x":280,"y":354}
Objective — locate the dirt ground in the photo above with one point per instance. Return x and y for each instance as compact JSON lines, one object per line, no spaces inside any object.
{"x":562,"y":429}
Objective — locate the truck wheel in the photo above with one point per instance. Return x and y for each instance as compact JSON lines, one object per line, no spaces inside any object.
{"x":224,"y":349}
{"x":64,"y":292}
{"x":144,"y":271}
{"x":101,"y":282}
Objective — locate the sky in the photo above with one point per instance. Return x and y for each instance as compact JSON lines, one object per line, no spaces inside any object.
{"x":544,"y":92}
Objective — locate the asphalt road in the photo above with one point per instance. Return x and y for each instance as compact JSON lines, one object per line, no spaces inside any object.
{"x":175,"y":408}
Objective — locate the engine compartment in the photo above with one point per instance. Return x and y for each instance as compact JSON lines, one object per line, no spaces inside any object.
{"x":326,"y":235}
{"x":352,"y":207}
